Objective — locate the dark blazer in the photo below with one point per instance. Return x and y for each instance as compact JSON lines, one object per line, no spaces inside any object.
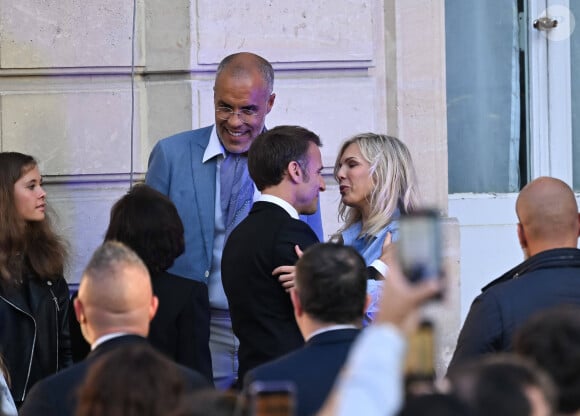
{"x":548,"y":279}
{"x":79,"y":346}
{"x":180,"y":328}
{"x":176,"y":329}
{"x":261,"y":310}
{"x":313,"y":368}
{"x":55,"y":396}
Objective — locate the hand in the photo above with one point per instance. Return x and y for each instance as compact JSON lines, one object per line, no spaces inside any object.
{"x":388,"y":251}
{"x":287,"y":274}
{"x":286,"y":277}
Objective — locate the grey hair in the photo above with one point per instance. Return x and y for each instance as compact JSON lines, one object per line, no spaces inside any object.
{"x":110,"y":254}
{"x":262,"y":65}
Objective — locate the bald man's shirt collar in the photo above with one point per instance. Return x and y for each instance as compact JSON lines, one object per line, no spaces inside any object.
{"x":214,"y":147}
{"x":106,"y":338}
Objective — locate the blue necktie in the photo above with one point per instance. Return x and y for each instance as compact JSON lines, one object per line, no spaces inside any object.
{"x":237,"y":190}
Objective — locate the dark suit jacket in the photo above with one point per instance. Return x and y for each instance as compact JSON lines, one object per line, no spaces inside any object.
{"x":313,"y":368}
{"x":176,"y":329}
{"x":548,"y":279}
{"x":180,"y":328}
{"x":261,"y":310}
{"x":55,"y":395}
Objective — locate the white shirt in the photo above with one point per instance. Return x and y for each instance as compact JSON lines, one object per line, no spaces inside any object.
{"x":106,"y":338}
{"x":217,"y":296}
{"x":328,"y":328}
{"x":281,"y":203}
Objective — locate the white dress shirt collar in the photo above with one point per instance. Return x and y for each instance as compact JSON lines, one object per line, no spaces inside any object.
{"x":214,"y":146}
{"x":281,"y":203}
{"x":328,"y":328}
{"x":106,"y":338}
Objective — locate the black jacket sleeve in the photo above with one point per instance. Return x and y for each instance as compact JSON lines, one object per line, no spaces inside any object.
{"x":64,"y":343}
{"x":481,"y":332}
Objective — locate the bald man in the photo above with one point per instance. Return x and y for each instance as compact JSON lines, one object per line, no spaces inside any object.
{"x":114,"y":307}
{"x":195,"y":170}
{"x":548,"y":230}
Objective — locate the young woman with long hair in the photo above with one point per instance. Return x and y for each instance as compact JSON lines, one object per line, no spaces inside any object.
{"x":34,"y":296}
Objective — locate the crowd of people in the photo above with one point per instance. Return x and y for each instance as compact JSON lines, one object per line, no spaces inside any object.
{"x":213,"y":285}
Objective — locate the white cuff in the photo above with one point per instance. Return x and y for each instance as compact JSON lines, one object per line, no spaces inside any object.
{"x":381,"y":267}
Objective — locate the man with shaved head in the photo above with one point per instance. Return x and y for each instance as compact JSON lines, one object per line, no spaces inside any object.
{"x":114,"y":307}
{"x":204,"y":172}
{"x":548,"y":230}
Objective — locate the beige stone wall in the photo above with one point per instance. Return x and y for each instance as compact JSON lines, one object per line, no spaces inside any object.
{"x":65,"y":97}
{"x":65,"y":71}
{"x":415,"y":50}
{"x":342,"y":67}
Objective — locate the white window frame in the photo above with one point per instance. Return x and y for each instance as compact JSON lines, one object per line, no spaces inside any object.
{"x":489,"y":244}
{"x":550,"y":113}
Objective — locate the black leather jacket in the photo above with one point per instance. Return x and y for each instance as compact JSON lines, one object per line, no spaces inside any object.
{"x":34,"y":332}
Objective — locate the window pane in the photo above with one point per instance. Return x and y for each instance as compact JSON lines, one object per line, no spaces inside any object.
{"x":483,"y":95}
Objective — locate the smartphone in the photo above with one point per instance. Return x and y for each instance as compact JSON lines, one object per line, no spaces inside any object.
{"x":419,"y":245}
{"x":420,"y":359}
{"x":272,"y":398}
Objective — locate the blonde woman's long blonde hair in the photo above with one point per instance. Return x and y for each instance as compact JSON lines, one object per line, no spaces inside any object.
{"x":394,"y":182}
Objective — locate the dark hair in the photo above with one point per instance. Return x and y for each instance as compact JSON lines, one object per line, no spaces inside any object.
{"x":147,"y":221}
{"x":331,"y":283}
{"x":30,"y":244}
{"x":132,"y":380}
{"x":551,"y":339}
{"x":497,"y":385}
{"x":272,"y":151}
{"x":233,"y":64}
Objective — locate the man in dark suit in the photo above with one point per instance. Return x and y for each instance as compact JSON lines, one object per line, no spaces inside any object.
{"x":189,"y":167}
{"x":329,"y":300}
{"x":548,"y":229}
{"x":286,"y":166}
{"x":114,"y":307}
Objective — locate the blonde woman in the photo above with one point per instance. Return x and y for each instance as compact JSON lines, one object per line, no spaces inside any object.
{"x":377,"y":184}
